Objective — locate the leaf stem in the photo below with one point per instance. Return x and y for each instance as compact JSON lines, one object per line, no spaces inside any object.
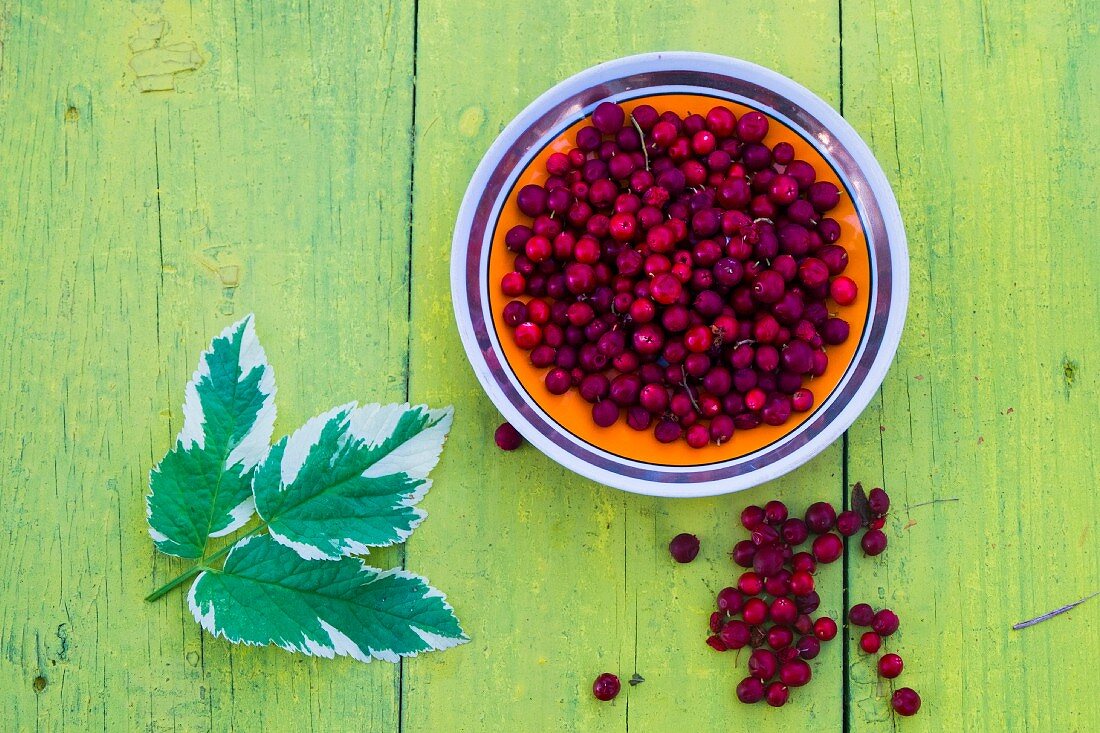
{"x":1055,"y":612}
{"x":198,"y":567}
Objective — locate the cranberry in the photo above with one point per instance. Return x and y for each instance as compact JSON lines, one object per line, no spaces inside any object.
{"x":808,"y":647}
{"x":768,"y":560}
{"x":885,"y":622}
{"x":870,"y":642}
{"x":890,"y":666}
{"x":778,"y":584}
{"x":750,"y":584}
{"x":743,"y":553}
{"x":750,"y":690}
{"x":730,"y":600}
{"x":842,"y":289}
{"x":820,"y":517}
{"x":804,"y":561}
{"x":873,"y":542}
{"x":848,"y":523}
{"x":763,"y":664}
{"x":764,"y":535}
{"x":825,"y":628}
{"x":783,"y":611}
{"x":827,"y":548}
{"x":683,"y":547}
{"x":878,"y":501}
{"x":808,"y":603}
{"x":905,"y":701}
{"x":795,"y":673}
{"x":794,"y":532}
{"x":735,"y":634}
{"x":861,"y":614}
{"x":755,"y":611}
{"x":715,"y":643}
{"x":777,"y":694}
{"x":802,"y":583}
{"x":606,"y":687}
{"x":780,"y":637}
{"x":802,"y":400}
{"x":507,"y":437}
{"x":752,"y":127}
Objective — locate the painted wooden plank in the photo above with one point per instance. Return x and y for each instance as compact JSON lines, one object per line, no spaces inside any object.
{"x":272,"y":177}
{"x":558,"y":579}
{"x":984,"y":116}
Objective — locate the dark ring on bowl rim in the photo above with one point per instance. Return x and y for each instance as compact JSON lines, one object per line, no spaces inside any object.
{"x":568,"y":110}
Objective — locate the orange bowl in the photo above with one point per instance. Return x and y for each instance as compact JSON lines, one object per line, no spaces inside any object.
{"x":562,"y":425}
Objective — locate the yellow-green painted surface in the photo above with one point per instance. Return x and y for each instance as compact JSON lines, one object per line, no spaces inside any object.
{"x":168,"y":166}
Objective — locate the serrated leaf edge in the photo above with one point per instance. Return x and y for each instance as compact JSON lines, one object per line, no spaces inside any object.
{"x":255,"y":446}
{"x":341,"y":644}
{"x":300,"y":442}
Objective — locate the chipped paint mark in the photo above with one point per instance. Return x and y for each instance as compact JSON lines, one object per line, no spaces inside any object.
{"x":157,"y":64}
{"x":471,"y":120}
{"x":981,"y":439}
{"x":72,"y":114}
{"x":38,"y":683}
{"x":1069,"y":374}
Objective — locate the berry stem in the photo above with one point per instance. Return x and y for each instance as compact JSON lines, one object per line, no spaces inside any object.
{"x":641,"y":136}
{"x":1055,"y":612}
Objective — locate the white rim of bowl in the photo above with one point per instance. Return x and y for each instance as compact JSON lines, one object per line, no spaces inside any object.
{"x":674,"y":481}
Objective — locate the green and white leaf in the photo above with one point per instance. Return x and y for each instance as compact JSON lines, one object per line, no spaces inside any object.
{"x":350,"y":479}
{"x":203,"y":486}
{"x":267,"y":594}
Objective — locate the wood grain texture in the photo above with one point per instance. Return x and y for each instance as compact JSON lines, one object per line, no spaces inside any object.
{"x":274,"y":178}
{"x":556,"y":578}
{"x":271,"y":168}
{"x":983,"y":115}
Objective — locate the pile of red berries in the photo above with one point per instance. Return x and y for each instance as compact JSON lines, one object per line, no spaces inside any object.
{"x":770,"y":608}
{"x":679,"y":271}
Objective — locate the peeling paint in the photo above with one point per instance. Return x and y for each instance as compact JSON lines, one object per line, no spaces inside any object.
{"x":156,"y":65}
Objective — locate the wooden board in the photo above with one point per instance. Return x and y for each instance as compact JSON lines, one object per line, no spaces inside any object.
{"x":167,"y":167}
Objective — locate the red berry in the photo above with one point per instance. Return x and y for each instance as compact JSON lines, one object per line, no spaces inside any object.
{"x":885,"y":622}
{"x":848,"y":523}
{"x":827,"y":548}
{"x":754,"y":612}
{"x":820,"y":517}
{"x":890,"y":666}
{"x":768,"y":560}
{"x":750,"y":689}
{"x":715,"y":643}
{"x":730,"y":600}
{"x":802,"y":583}
{"x":873,"y":542}
{"x":825,"y":628}
{"x":606,"y":686}
{"x":716,"y":620}
{"x":507,"y":437}
{"x":877,"y":523}
{"x":743,"y":553}
{"x":750,"y":584}
{"x":777,"y":694}
{"x":878,"y":501}
{"x":861,"y":614}
{"x":780,"y":637}
{"x":795,"y":674}
{"x":775,"y":512}
{"x":683,"y":547}
{"x":783,"y":611}
{"x":735,"y":634}
{"x":752,"y":517}
{"x":808,"y":647}
{"x":527,"y":335}
{"x":803,"y":561}
{"x":870,"y":642}
{"x":905,"y":701}
{"x":794,"y":532}
{"x":842,"y":289}
{"x":763,"y":664}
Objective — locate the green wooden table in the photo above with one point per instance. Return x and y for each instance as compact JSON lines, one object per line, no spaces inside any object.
{"x":167,"y":167}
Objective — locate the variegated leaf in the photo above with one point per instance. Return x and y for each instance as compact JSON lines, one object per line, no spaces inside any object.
{"x":267,"y":594}
{"x":202,"y":487}
{"x":350,"y":479}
